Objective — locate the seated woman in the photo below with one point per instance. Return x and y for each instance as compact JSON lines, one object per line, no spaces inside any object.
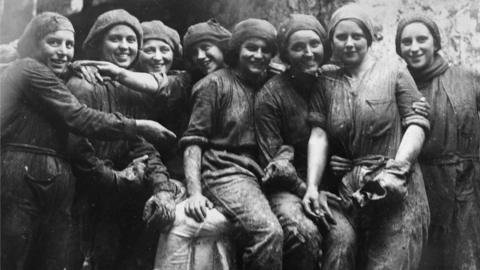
{"x":282,"y":129}
{"x":220,"y":146}
{"x":37,"y":112}
{"x":115,"y":199}
{"x":186,"y":244}
{"x":450,"y":158}
{"x":366,"y":108}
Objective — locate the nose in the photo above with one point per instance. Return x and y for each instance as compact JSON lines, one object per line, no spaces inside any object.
{"x":62,"y":49}
{"x":349,"y":42}
{"x":308,"y":51}
{"x":258,"y":53}
{"x":157,"y":55}
{"x":123,"y":44}
{"x":414,"y":47}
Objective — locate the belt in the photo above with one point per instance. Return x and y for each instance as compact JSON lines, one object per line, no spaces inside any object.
{"x":449,"y":159}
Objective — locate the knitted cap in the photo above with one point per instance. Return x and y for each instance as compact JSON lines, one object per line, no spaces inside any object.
{"x":104,"y":23}
{"x":427,"y":21}
{"x":253,"y":28}
{"x":353,"y":12}
{"x":210,"y":30}
{"x":158,"y":30}
{"x":40,"y":26}
{"x":297,"y":22}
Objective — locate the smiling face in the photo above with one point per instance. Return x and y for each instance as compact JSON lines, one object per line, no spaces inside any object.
{"x":156,"y":56}
{"x":349,"y":43}
{"x":120,"y":46}
{"x":55,"y":50}
{"x":305,"y":51}
{"x":254,"y":57}
{"x":207,"y":57}
{"x":417,"y":46}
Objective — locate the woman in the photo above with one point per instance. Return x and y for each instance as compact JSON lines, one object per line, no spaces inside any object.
{"x":450,"y":159}
{"x":281,"y":110}
{"x":366,"y":110}
{"x":37,"y":112}
{"x":116,"y":226}
{"x":220,"y":146}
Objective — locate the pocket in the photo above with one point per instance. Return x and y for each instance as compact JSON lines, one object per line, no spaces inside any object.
{"x":42,"y":169}
{"x":379,"y":116}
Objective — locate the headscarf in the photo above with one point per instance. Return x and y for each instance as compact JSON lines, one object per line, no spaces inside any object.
{"x":297,"y":22}
{"x":104,"y":23}
{"x":355,"y":13}
{"x":211,"y":31}
{"x":40,"y":26}
{"x":420,"y":18}
{"x":158,"y":30}
{"x":251,"y":28}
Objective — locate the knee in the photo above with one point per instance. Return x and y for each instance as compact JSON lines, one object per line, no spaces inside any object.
{"x":341,"y":235}
{"x":304,"y":236}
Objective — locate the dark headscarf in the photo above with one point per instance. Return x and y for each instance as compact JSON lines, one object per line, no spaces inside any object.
{"x":40,"y":26}
{"x":355,"y":13}
{"x":211,"y":31}
{"x":297,"y":22}
{"x":103,"y":24}
{"x":158,"y":30}
{"x":420,"y":18}
{"x":250,"y":28}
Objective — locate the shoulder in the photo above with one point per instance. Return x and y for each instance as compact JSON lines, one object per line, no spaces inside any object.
{"x":273,"y":89}
{"x":213,"y":81}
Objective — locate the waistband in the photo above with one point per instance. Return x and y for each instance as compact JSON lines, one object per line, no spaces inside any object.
{"x":21,"y":147}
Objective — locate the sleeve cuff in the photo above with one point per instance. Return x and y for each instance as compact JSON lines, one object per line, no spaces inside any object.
{"x":416,"y":120}
{"x":192,"y":140}
{"x":130,"y":128}
{"x":316,"y":120}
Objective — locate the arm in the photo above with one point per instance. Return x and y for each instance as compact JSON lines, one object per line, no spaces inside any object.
{"x":275,"y":157}
{"x":139,"y":81}
{"x":196,"y":204}
{"x":48,"y":92}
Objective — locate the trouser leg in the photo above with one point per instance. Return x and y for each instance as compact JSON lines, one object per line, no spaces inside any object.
{"x":302,"y":238}
{"x":240,"y":198}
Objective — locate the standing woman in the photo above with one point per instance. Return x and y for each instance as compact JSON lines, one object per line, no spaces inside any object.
{"x":37,"y":112}
{"x":366,"y":109}
{"x":450,"y":159}
{"x":282,"y":129}
{"x":220,"y":146}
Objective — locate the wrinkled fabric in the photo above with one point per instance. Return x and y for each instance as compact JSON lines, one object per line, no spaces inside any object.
{"x":116,"y":207}
{"x":37,"y":194}
{"x":222,"y":124}
{"x":173,"y":111}
{"x":302,"y":238}
{"x":37,"y":111}
{"x":367,"y":117}
{"x":281,"y":111}
{"x":197,"y":246}
{"x":450,"y":165}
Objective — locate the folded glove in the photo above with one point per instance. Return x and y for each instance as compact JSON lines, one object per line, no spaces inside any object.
{"x":389,"y":184}
{"x":159,"y":211}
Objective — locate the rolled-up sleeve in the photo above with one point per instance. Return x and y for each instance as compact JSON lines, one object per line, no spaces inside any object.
{"x":317,"y":116}
{"x":406,"y":93}
{"x":202,"y":119}
{"x":49,"y":92}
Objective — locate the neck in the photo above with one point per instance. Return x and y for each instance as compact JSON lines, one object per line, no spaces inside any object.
{"x":249,"y":78}
{"x":358,"y":70}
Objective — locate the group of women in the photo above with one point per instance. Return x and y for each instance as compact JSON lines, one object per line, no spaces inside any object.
{"x":344,"y":160}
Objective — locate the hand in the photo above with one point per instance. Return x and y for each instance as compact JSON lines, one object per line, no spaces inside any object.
{"x":196,"y":207}
{"x":394,"y":185}
{"x":340,"y":165}
{"x":104,"y":67}
{"x":159,"y":211}
{"x":422,"y":107}
{"x":280,"y":168}
{"x":154,"y":132}
{"x":89,"y":73}
{"x":135,"y":171}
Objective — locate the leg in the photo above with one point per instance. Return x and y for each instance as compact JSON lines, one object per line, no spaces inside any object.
{"x":240,"y":198}
{"x":189,"y":243}
{"x":340,"y":245}
{"x":302,"y":239}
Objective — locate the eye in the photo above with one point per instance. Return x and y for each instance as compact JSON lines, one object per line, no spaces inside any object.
{"x":266,"y":50}
{"x":406,"y":41}
{"x":315,"y":43}
{"x":165,"y":49}
{"x":341,"y":37}
{"x":297,"y":47}
{"x":422,"y":39}
{"x":251,"y":47}
{"x":148,"y":50}
{"x":53,"y":42}
{"x":131,"y":39}
{"x":114,"y":38}
{"x":205,"y":47}
{"x":357,"y":36}
{"x":70,"y":44}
